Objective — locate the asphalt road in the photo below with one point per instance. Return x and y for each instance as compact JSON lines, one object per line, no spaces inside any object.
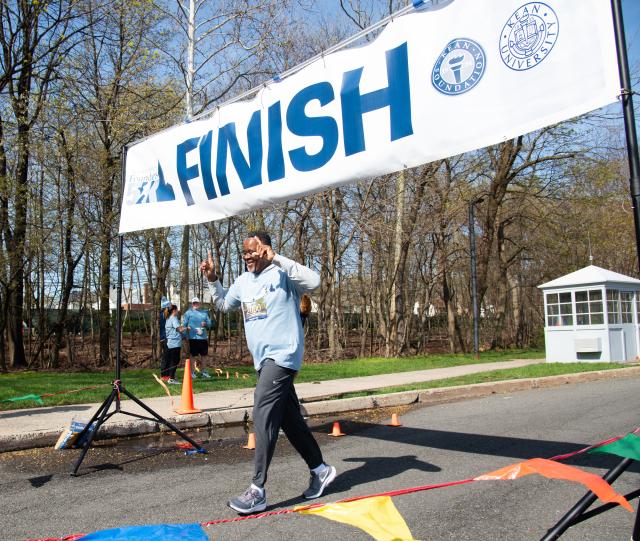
{"x":148,"y":481}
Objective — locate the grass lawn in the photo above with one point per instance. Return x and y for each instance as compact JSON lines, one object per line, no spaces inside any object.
{"x":533,"y":371}
{"x":143,"y":385}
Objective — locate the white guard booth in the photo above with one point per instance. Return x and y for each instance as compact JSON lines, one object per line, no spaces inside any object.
{"x":592,"y":315}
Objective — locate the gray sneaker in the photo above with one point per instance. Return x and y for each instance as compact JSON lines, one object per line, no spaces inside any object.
{"x":252,"y":501}
{"x":318,"y":482}
{"x":172,"y":381}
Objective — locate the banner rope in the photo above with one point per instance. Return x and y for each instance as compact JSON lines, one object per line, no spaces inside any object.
{"x":39,"y":397}
{"x":390,"y":493}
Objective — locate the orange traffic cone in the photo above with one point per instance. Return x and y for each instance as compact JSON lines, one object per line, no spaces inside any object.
{"x":394,"y":420}
{"x":186,"y":401}
{"x":336,"y":430}
{"x":251,"y":441}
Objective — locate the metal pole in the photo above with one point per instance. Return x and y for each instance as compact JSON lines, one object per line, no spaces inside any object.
{"x":474,"y":278}
{"x":119,"y":284}
{"x":568,"y":520}
{"x":629,"y":117}
{"x":635,"y":535}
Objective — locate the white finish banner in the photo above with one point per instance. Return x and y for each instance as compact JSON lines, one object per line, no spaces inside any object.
{"x":436,"y":82}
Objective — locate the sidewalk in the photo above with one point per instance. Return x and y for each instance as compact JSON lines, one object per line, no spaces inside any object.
{"x":38,"y":427}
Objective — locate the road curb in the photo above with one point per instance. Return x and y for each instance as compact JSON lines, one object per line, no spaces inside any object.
{"x":235,"y":416}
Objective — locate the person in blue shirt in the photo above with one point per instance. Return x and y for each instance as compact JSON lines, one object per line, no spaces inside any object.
{"x":174,"y":344}
{"x":165,"y":305}
{"x":197,"y":323}
{"x":268,"y":294}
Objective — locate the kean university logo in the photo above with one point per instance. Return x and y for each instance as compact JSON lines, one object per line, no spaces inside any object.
{"x":459,"y":67}
{"x":528,"y":36}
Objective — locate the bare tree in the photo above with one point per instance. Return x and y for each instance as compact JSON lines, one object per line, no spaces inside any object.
{"x":34,"y":38}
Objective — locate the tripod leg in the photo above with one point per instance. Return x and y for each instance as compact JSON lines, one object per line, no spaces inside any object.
{"x":162,"y":420}
{"x":95,"y":416}
{"x":567,"y":521}
{"x":102,"y":411}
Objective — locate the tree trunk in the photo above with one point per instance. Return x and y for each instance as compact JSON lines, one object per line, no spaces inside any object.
{"x":184,"y":269}
{"x":16,"y":253}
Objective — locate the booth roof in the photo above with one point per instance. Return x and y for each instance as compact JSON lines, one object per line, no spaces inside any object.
{"x":589,"y":275}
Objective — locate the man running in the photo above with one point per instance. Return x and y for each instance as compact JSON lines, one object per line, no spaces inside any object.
{"x":269,"y":296}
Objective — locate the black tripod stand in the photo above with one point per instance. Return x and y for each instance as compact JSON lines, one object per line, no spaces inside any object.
{"x":100,"y":416}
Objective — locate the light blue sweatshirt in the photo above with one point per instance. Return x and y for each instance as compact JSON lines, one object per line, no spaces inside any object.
{"x":174,"y":337}
{"x":270,"y":303}
{"x":193,"y":319}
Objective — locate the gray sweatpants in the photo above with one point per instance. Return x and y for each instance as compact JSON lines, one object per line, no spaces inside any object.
{"x":276,"y":405}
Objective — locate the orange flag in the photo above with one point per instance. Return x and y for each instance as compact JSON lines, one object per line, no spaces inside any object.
{"x":555,"y":470}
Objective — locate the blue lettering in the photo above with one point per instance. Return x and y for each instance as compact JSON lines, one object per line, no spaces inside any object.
{"x":185,"y":174}
{"x":205,"y":165}
{"x":397,"y":96}
{"x":322,"y":126}
{"x":250,"y":173}
{"x":275,"y":158}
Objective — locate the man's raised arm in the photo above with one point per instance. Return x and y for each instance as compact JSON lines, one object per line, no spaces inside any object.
{"x":222,"y":299}
{"x":305,"y":279}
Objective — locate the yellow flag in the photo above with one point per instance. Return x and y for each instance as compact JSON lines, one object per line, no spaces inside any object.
{"x":376,"y":516}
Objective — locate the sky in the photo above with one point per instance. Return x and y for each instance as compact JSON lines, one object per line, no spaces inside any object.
{"x":631,"y":15}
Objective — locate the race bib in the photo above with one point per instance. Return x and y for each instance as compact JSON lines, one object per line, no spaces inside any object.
{"x":256,"y":309}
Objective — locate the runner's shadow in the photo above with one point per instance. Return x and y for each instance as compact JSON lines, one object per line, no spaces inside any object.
{"x":377,"y":468}
{"x":371,"y":469}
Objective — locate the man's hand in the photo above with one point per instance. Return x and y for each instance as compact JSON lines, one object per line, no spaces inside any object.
{"x":265,"y":252}
{"x":208,"y":269}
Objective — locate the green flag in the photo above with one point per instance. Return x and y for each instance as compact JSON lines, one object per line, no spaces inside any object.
{"x":627,"y":447}
{"x":35,"y":397}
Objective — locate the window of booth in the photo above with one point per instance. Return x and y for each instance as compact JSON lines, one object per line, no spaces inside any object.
{"x":626,"y":306}
{"x":589,"y":307}
{"x":613,"y":306}
{"x":559,"y":309}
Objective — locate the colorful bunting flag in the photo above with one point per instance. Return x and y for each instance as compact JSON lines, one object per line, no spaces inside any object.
{"x":627,"y":447}
{"x":35,"y":397}
{"x":376,"y":516}
{"x":157,"y":532}
{"x":555,"y":470}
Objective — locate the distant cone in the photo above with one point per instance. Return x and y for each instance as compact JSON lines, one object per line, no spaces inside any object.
{"x":186,"y":402}
{"x":251,"y":441}
{"x":336,"y":430}
{"x":394,"y":420}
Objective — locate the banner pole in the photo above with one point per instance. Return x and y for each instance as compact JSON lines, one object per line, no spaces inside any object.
{"x":119,"y":278}
{"x":583,"y":504}
{"x":103,"y":414}
{"x":626,"y":96}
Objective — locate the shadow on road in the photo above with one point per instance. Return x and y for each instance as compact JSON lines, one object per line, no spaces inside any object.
{"x":484,"y":444}
{"x":379,"y":467}
{"x":371,"y":469}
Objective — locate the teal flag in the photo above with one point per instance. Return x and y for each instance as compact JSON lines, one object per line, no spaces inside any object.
{"x":627,"y":447}
{"x":35,"y":397}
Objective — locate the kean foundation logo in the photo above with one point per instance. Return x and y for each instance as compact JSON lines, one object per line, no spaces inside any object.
{"x":459,"y":67}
